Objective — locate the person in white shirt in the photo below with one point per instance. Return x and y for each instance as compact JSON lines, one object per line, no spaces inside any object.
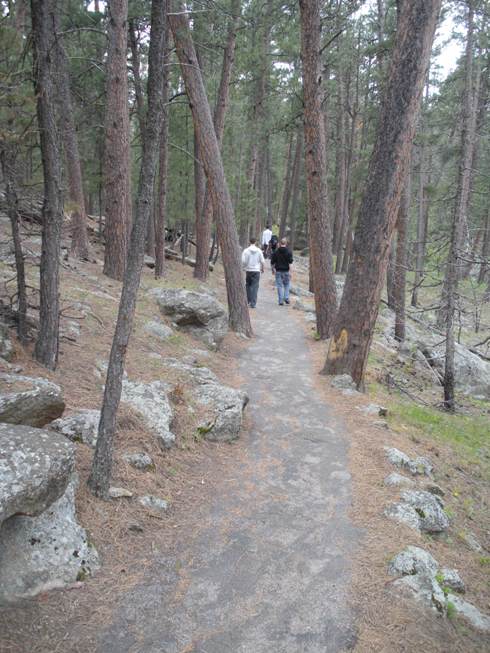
{"x":253,"y":264}
{"x":266,"y":236}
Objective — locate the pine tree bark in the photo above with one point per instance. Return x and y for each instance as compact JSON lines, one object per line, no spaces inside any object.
{"x":340,"y":171}
{"x":116,"y":167}
{"x":286,"y":188}
{"x":298,"y":159}
{"x":100,"y":476}
{"x":422,"y":216}
{"x":354,"y":325}
{"x":400,"y":277}
{"x":7,"y":162}
{"x":485,"y":251}
{"x":43,"y":14}
{"x":239,"y":318}
{"x":205,"y":223}
{"x":161,"y":212}
{"x":79,"y":240}
{"x":136,"y":68}
{"x":321,"y":262}
{"x":448,"y":298}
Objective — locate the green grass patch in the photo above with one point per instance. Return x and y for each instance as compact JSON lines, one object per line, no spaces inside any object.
{"x":470,"y":433}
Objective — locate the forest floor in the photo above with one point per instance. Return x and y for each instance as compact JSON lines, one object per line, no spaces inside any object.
{"x":276,"y":543}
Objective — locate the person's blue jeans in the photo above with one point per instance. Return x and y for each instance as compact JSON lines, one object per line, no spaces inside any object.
{"x":252,"y":280}
{"x":282,"y":285}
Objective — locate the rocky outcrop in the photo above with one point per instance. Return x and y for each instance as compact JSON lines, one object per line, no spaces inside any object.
{"x":421,"y":511}
{"x":35,"y":468}
{"x":416,"y":466}
{"x":342,"y":382}
{"x":150,"y":400}
{"x":159,"y":330}
{"x":140,"y":460}
{"x":422,"y":578}
{"x":44,"y":552}
{"x":200,"y":314}
{"x":223,"y":406}
{"x":29,"y":401}
{"x":6,"y":347}
{"x":79,"y":427}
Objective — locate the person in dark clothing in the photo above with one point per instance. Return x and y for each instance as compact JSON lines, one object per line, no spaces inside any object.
{"x":280,"y":264}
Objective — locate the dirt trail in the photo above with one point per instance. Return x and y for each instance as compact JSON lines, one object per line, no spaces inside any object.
{"x":269,"y":571}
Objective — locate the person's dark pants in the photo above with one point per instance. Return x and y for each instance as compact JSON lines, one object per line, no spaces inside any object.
{"x":252,"y":280}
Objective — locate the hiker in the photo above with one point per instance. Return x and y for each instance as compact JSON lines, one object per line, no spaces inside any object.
{"x":266,"y":236}
{"x":280,"y":261}
{"x":253,"y":264}
{"x":272,"y":245}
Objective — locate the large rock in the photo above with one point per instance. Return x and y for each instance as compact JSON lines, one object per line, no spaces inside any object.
{"x":161,"y":331}
{"x":423,"y":580}
{"x":151,"y":402}
{"x":227,"y":406}
{"x":222,"y":418}
{"x":29,"y":401}
{"x":412,"y":560}
{"x":197,"y":313}
{"x":35,"y":468}
{"x":6,"y":348}
{"x":79,"y":427}
{"x":471,"y":373}
{"x":44,"y":552}
{"x":416,"y":466}
{"x":429,"y":507}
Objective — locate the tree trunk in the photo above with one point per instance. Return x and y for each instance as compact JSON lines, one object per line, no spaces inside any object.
{"x":422,"y":217}
{"x":340,"y":171}
{"x":7,"y":161}
{"x":390,"y":273}
{"x":485,"y":250}
{"x":286,"y":189}
{"x":43,"y":13}
{"x":211,"y":157}
{"x":315,"y":165}
{"x":117,"y":185}
{"x":400,"y":280}
{"x":448,"y":299}
{"x":298,"y":159}
{"x":162,"y":165}
{"x":135,"y":66}
{"x":78,"y":214}
{"x":204,"y":224}
{"x":388,"y":166}
{"x":102,"y":463}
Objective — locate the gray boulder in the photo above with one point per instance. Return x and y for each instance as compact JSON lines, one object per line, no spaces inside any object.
{"x":429,"y":508}
{"x":476,"y":618}
{"x":154,"y":503}
{"x":6,"y":347}
{"x":161,"y":331}
{"x":227,"y":405}
{"x":471,"y":373}
{"x":450,"y":578}
{"x":150,"y":400}
{"x":29,"y":401}
{"x":141,"y":461}
{"x":398,"y":480}
{"x":119,"y":493}
{"x":417,"y":466}
{"x":197,"y":313}
{"x":412,"y":560}
{"x":35,"y":468}
{"x":224,"y":405}
{"x":45,"y":552}
{"x":80,"y":427}
{"x":403,"y":514}
{"x":424,"y":588}
{"x":342,"y":382}
{"x":300,"y":292}
{"x":299,"y":306}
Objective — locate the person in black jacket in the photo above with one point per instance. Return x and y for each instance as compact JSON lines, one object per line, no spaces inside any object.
{"x":280,"y":263}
